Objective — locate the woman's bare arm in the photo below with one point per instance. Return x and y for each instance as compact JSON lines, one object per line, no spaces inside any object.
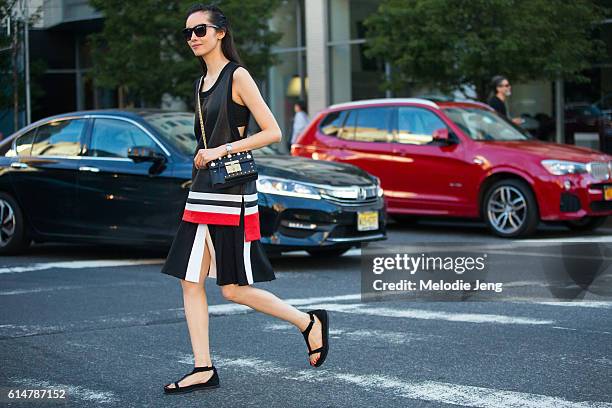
{"x":270,"y":132}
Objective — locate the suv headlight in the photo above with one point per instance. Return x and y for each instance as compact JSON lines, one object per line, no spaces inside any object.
{"x":562,"y":167}
{"x":280,"y":186}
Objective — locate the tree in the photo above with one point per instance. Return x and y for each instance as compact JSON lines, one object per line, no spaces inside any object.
{"x":141,"y":50}
{"x":447,"y":44}
{"x":12,"y":81}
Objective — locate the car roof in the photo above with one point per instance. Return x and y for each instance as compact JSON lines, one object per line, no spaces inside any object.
{"x":383,"y":101}
{"x":436,"y":103}
{"x":125,"y":112}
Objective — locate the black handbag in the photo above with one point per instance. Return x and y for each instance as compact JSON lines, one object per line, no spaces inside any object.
{"x":231,"y":169}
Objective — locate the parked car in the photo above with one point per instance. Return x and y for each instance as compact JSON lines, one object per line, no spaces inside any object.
{"x":120,"y":176}
{"x":582,"y":117}
{"x":462,"y":159}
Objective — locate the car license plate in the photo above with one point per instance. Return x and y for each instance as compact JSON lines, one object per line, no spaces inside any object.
{"x":608,"y":193}
{"x":367,"y":220}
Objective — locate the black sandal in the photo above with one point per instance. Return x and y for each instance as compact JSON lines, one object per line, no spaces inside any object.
{"x":213,"y":382}
{"x":322,"y":315}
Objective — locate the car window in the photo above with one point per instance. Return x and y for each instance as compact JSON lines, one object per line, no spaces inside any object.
{"x":174,"y":128}
{"x":332,"y":123}
{"x":59,"y":138}
{"x":373,"y":125}
{"x":23,"y":145}
{"x":348,"y":130}
{"x":113,"y":138}
{"x":481,"y":124}
{"x":416,"y":125}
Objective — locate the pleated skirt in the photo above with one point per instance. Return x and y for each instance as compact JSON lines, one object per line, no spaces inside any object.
{"x":233,"y":259}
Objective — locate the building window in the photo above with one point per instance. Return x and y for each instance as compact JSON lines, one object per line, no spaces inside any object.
{"x":352,"y":76}
{"x":287,"y":81}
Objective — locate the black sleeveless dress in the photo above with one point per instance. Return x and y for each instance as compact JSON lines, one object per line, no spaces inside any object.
{"x":226,"y":219}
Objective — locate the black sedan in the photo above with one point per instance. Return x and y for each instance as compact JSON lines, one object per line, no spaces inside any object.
{"x":122,"y":177}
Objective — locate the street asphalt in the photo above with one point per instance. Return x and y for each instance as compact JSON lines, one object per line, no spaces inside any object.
{"x":103,"y":324}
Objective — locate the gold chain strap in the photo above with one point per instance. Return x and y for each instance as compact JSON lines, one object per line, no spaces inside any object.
{"x":200,"y":112}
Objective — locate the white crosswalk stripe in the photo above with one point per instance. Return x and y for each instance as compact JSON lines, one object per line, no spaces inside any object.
{"x":103,"y":263}
{"x":432,"y":391}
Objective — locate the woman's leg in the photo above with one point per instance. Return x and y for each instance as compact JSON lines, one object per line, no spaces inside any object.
{"x":266,"y":302}
{"x":196,"y":314}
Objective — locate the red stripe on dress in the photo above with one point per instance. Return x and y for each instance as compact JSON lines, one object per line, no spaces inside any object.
{"x":251,"y":227}
{"x":201,"y":217}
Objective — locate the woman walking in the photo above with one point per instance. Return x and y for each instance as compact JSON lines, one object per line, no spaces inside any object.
{"x":218,"y":235}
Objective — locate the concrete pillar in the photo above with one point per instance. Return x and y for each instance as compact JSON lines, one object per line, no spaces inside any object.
{"x":316,"y":55}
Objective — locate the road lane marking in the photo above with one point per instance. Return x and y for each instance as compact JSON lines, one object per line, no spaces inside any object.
{"x":433,"y":391}
{"x":72,"y":391}
{"x":364,"y":334}
{"x":75,"y":287}
{"x":102,"y":263}
{"x":324,"y":302}
{"x":431,"y":315}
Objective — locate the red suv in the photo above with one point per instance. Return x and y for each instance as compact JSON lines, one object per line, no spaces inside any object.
{"x":462,"y":159}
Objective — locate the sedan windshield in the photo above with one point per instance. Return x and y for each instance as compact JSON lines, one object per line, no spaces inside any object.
{"x":175,"y":128}
{"x":480,"y":124}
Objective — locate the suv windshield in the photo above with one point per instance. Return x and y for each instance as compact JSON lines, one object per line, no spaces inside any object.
{"x":175,"y":128}
{"x":480,"y":124}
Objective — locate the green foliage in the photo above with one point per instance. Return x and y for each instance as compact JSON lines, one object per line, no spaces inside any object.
{"x":141,"y":47}
{"x":8,"y":45}
{"x":447,"y":44}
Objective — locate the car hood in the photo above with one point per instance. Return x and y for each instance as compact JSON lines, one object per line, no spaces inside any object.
{"x":548,"y":150}
{"x":313,"y":171}
{"x":301,"y":169}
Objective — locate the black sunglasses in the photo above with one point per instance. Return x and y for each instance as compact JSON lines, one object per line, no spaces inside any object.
{"x":199,"y":30}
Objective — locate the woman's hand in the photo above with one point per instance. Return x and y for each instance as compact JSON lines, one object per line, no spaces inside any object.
{"x":203,"y":156}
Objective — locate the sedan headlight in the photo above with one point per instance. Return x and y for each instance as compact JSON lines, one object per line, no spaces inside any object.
{"x":562,"y":167}
{"x":379,"y":190}
{"x":280,"y":186}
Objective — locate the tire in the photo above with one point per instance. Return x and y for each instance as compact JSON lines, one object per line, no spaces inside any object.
{"x":14,"y":234}
{"x":586,"y":224}
{"x":328,"y":252}
{"x":510,"y":209}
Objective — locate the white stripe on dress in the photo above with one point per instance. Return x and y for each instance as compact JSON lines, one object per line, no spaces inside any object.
{"x":247,"y":261}
{"x":250,"y":210}
{"x":250,"y":197}
{"x":212,"y":208}
{"x":215,"y":196}
{"x":197,"y":253}
{"x":196,"y":258}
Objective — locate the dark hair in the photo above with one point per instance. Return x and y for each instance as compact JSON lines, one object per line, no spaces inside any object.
{"x":302,"y":105}
{"x":218,"y":18}
{"x":495,"y":82}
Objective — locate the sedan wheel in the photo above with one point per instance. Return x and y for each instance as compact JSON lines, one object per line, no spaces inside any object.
{"x":510,"y":209}
{"x":13,"y":232}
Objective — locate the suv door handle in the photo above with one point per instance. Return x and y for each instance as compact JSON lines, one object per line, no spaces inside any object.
{"x":88,"y":168}
{"x":19,"y":165}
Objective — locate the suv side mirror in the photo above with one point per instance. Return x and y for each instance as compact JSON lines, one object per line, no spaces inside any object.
{"x":144,"y":153}
{"x":441,"y":135}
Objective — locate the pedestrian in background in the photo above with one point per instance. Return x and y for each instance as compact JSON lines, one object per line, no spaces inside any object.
{"x":219,"y":233}
{"x":300,"y":121}
{"x":500,"y":91}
